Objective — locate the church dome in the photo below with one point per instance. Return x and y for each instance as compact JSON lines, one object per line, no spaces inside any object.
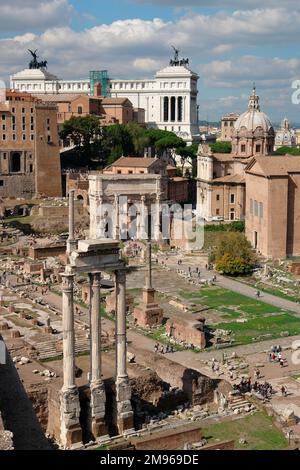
{"x":253,"y":118}
{"x":253,"y":133}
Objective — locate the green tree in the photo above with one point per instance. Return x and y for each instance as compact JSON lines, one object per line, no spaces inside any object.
{"x":188,"y":153}
{"x":233,"y":254}
{"x":140,"y":139}
{"x":288,"y":151}
{"x":163,"y":140}
{"x":221,"y":147}
{"x":86,"y":134}
{"x":116,"y":142}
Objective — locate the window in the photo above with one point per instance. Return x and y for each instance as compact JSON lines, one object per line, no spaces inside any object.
{"x":4,"y":156}
{"x":251,"y":206}
{"x":16,"y":162}
{"x":173,"y":108}
{"x":3,"y":117}
{"x":218,"y":197}
{"x":232,"y":198}
{"x":258,"y":148}
{"x":119,"y":172}
{"x":30,"y":168}
{"x":3,"y":127}
{"x":217,"y":211}
{"x":166,"y":108}
{"x":4,"y":137}
{"x":261,"y":210}
{"x":243,"y":148}
{"x":80,"y":110}
{"x":49,"y":139}
{"x":255,"y":208}
{"x":23,"y":136}
{"x":23,"y":111}
{"x":1,"y":183}
{"x":32,"y":137}
{"x":225,"y":123}
{"x":179,"y":104}
{"x":14,"y":137}
{"x":232,"y":214}
{"x":130,"y":172}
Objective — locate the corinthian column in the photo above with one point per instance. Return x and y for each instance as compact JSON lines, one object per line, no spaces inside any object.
{"x":123,"y":389}
{"x":96,"y":384}
{"x":70,"y":407}
{"x":71,"y":243}
{"x":157,"y":234}
{"x":116,"y":218}
{"x":142,"y":221}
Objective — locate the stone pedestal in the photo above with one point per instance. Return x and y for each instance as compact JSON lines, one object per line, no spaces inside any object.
{"x":71,"y":433}
{"x":148,"y":313}
{"x":125,"y":420}
{"x":99,"y":428}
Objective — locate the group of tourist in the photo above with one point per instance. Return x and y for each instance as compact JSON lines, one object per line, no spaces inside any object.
{"x":275,"y":355}
{"x":163,"y":350}
{"x":263,"y":389}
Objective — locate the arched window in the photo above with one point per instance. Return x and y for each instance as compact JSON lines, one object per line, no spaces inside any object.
{"x":180,"y":101}
{"x":80,"y":110}
{"x":166,"y":109}
{"x":16,"y":162}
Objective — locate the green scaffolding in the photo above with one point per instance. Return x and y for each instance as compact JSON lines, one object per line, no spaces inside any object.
{"x":99,"y":76}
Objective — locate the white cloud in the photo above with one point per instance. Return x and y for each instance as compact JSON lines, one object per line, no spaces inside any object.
{"x":241,"y":4}
{"x":221,"y":49}
{"x":147,"y":64}
{"x":19,"y":15}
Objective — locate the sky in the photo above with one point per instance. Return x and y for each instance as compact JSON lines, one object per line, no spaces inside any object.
{"x":230,"y":44}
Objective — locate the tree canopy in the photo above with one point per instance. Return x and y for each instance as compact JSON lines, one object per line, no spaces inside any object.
{"x":288,"y":151}
{"x":96,"y":145}
{"x":233,"y":254}
{"x":221,"y":147}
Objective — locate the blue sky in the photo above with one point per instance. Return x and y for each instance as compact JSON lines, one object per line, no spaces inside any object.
{"x":230,"y":43}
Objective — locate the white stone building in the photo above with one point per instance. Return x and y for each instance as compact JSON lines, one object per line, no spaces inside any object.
{"x":169,"y":99}
{"x":285,"y":136}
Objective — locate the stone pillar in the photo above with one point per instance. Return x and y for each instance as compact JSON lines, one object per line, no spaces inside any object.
{"x":157,"y":234}
{"x":116,"y":218}
{"x":149,"y":265}
{"x":176,"y":109}
{"x":142,"y":223}
{"x":71,"y":243}
{"x":123,"y":389}
{"x":69,"y":398}
{"x":96,"y":382}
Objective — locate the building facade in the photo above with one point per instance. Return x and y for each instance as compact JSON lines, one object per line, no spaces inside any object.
{"x":227,"y":127}
{"x":221,"y":177}
{"x":273,"y":206}
{"x":169,"y":99}
{"x":29,"y":147}
{"x":285,"y":136}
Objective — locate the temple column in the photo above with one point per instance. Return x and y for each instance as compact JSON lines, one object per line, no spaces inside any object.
{"x":157,"y":234}
{"x":69,"y":398}
{"x":176,"y":109}
{"x":116,"y":218}
{"x":142,"y":221}
{"x":123,"y":389}
{"x":96,"y":383}
{"x":71,"y":243}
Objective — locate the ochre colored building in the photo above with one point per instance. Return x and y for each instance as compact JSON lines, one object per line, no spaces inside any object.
{"x":29,"y":147}
{"x":273,"y":205}
{"x":221,"y":177}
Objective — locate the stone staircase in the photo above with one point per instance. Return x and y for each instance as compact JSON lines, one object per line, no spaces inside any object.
{"x":49,"y":348}
{"x":239,"y":404}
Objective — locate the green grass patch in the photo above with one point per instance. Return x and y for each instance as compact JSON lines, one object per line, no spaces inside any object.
{"x":258,"y":430}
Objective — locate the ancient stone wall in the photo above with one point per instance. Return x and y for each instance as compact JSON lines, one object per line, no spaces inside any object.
{"x":169,"y":440}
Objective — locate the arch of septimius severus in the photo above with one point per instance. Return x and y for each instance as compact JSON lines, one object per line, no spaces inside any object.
{"x":92,"y":257}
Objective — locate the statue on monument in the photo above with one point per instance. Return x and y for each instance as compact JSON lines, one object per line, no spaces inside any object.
{"x":176,"y":62}
{"x":35,"y":64}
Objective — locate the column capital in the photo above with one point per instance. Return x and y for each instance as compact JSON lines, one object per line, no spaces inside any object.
{"x":121,"y":275}
{"x":95,"y":279}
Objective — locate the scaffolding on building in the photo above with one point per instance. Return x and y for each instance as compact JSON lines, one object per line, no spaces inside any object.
{"x":99,"y":76}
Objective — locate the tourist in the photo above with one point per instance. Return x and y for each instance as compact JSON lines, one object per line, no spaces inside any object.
{"x":283,"y":391}
{"x":156,"y":347}
{"x":281,"y":362}
{"x":162,"y":351}
{"x":257,"y":374}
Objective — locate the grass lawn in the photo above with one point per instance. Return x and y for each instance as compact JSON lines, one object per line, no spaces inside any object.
{"x":261,"y":318}
{"x":258,"y":430}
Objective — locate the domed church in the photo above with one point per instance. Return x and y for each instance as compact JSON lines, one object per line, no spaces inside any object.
{"x":221,"y":176}
{"x":253,"y":133}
